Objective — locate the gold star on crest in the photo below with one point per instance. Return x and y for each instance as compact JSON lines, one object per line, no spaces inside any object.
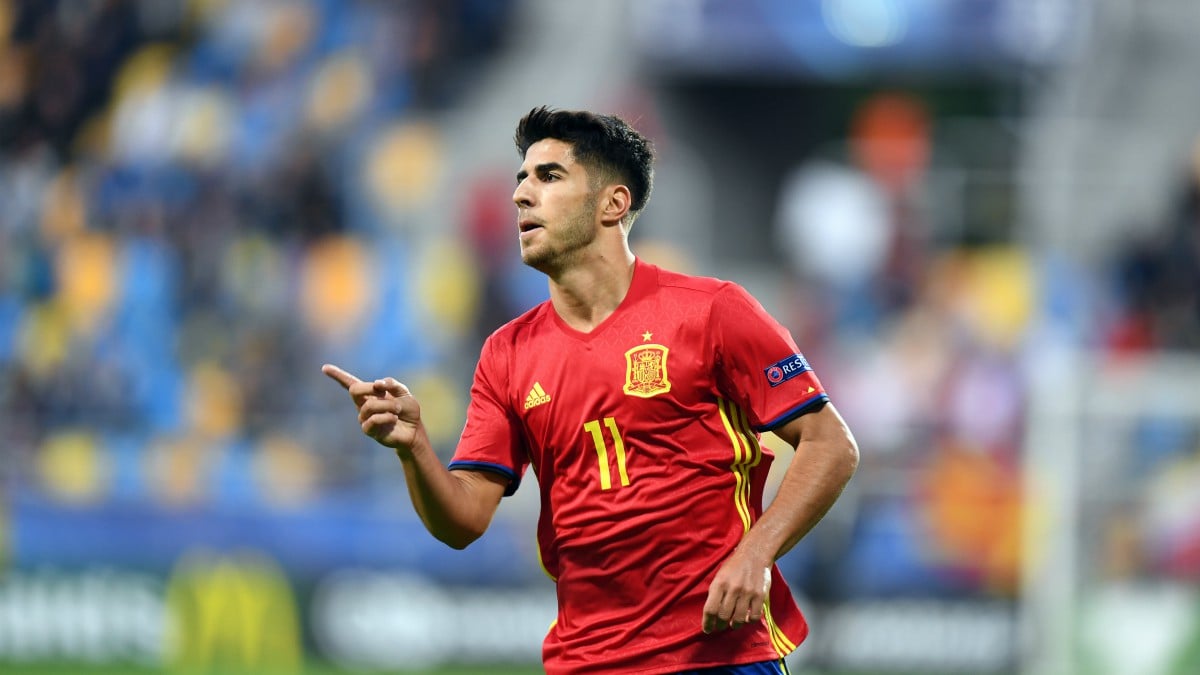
{"x":646,"y":336}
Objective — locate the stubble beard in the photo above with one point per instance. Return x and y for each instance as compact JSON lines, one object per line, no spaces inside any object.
{"x":562,"y":249}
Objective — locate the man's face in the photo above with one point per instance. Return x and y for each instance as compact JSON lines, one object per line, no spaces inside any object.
{"x":556,"y":206}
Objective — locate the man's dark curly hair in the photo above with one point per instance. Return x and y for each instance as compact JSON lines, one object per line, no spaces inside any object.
{"x":603,"y":142}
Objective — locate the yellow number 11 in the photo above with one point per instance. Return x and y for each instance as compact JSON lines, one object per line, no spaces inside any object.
{"x":602,"y":451}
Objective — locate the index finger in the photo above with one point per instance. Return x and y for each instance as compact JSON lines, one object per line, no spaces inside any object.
{"x":710,"y":621}
{"x":340,"y":376}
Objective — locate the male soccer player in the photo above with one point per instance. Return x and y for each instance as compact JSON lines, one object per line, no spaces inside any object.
{"x":637,"y":395}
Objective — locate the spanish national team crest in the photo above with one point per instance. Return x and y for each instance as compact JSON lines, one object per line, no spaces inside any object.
{"x":646,"y":374}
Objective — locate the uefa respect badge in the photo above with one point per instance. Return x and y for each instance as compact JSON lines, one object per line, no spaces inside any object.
{"x":781,"y":371}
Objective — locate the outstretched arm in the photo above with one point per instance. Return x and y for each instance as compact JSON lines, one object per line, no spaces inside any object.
{"x":826,"y":457}
{"x":456,"y":506}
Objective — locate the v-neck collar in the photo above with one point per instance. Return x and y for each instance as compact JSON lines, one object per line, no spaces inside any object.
{"x":645,"y":277}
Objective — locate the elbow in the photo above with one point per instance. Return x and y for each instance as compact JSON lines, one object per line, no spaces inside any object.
{"x":455,"y":543}
{"x":850,"y":458}
{"x":467,"y":515}
{"x":460,"y":538}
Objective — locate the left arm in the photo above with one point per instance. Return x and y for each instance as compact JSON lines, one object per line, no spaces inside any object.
{"x":826,"y":457}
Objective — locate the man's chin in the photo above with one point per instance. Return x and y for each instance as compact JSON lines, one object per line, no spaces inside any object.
{"x":538,"y":260}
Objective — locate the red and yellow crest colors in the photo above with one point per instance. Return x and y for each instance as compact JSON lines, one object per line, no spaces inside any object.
{"x":646,"y":371}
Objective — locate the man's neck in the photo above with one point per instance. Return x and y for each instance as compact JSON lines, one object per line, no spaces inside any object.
{"x":588,"y":293}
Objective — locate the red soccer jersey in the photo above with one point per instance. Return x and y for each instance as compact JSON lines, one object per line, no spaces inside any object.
{"x":643,"y":435}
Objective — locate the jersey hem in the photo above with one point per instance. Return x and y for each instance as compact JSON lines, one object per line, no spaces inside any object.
{"x":681,"y":667}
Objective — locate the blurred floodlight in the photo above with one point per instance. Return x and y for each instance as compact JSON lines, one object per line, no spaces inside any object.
{"x":866,"y":23}
{"x":1040,"y":31}
{"x":833,"y":222}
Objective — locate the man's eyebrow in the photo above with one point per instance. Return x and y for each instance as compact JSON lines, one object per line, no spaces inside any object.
{"x":541,"y":169}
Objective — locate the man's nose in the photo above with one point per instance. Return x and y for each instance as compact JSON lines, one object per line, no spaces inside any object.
{"x":522,"y":196}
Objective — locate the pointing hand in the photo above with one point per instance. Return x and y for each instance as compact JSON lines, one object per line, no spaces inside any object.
{"x":387,"y":410}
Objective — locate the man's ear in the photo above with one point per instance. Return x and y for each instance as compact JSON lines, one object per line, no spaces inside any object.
{"x":615,"y":205}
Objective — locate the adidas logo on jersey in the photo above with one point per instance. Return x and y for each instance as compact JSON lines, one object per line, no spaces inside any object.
{"x":537,"y":396}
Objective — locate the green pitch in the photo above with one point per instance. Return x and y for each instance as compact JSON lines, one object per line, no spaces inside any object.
{"x":7,"y":668}
{"x":79,"y":669}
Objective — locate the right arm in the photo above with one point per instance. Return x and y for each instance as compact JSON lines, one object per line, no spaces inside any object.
{"x":455,"y":506}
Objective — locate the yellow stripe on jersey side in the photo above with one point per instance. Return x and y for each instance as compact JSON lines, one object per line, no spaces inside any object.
{"x":783,"y":645}
{"x":747,"y":453}
{"x":723,"y":406}
{"x":753,"y":448}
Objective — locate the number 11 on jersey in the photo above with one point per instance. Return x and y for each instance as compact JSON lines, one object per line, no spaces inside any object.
{"x":593,"y":427}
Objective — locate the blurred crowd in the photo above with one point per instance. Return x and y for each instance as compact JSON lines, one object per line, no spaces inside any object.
{"x":1154,"y":283}
{"x":201,"y":201}
{"x":919,"y":332}
{"x":1156,"y":275}
{"x":932,"y":341}
{"x":204,"y":200}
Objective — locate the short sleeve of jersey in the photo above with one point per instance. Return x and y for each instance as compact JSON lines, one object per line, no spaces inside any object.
{"x":491,"y":439}
{"x":758,"y":363}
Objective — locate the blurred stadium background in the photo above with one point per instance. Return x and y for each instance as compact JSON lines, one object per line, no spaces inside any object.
{"x":980,"y":219}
